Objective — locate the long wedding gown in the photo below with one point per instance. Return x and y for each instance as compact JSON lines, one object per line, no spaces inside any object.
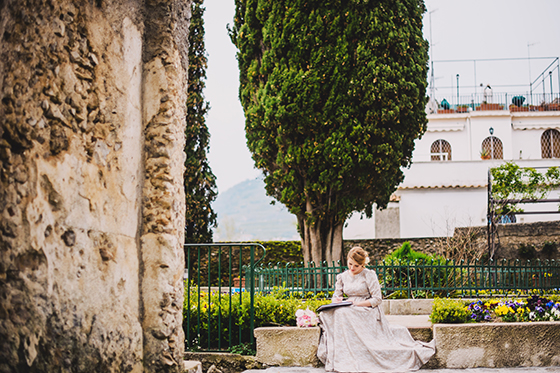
{"x":360,"y":339}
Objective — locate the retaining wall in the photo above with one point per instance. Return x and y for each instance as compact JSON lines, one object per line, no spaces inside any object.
{"x":490,"y":345}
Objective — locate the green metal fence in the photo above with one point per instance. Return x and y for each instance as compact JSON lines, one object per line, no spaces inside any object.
{"x":216,"y":294}
{"x":442,"y":278}
{"x":222,"y":280}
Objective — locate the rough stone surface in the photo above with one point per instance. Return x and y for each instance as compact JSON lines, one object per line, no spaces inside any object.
{"x":288,"y":346}
{"x":223,"y":362}
{"x":91,"y":197}
{"x":192,"y":366}
{"x":512,"y":238}
{"x":163,"y":215}
{"x":495,"y":345}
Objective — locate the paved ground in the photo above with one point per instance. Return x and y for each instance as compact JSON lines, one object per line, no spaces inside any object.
{"x":477,"y":370}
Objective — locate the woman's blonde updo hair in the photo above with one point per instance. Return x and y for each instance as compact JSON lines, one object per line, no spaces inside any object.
{"x":358,"y":255}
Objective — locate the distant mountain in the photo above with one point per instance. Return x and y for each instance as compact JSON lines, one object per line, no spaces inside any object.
{"x":245,"y":213}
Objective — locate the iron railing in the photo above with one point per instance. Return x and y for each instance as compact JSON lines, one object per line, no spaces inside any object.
{"x":499,"y":101}
{"x":216,"y":294}
{"x":220,"y":311}
{"x":441,"y":278}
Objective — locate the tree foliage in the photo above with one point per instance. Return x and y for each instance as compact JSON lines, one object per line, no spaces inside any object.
{"x":511,"y":182}
{"x":334,"y":97}
{"x":200,"y":182}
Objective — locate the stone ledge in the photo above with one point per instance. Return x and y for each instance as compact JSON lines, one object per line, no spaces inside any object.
{"x":407,"y":306}
{"x":496,"y":345}
{"x":288,"y":346}
{"x":410,"y":306}
{"x":488,"y":345}
{"x":223,"y":362}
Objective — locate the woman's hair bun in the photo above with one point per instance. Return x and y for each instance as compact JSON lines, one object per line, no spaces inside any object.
{"x":359,"y":255}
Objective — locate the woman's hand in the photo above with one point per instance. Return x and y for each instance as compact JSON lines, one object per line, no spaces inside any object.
{"x":337,"y":299}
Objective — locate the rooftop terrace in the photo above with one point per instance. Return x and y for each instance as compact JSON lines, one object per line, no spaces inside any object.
{"x":495,"y":101}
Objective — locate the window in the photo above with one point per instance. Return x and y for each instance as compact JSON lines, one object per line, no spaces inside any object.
{"x":440,"y":151}
{"x":492,"y":148}
{"x":550,"y":144}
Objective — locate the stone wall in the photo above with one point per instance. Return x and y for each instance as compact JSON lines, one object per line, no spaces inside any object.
{"x":514,"y":241}
{"x":539,"y":240}
{"x":378,"y":248}
{"x":91,"y":198}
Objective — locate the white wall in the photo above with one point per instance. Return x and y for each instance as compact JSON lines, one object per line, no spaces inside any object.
{"x":436,"y":197}
{"x":436,"y":212}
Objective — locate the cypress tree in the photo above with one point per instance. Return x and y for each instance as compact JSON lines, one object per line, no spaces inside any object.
{"x":200,"y":182}
{"x":334,"y":93}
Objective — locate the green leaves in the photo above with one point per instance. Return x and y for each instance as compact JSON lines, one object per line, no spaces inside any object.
{"x":509,"y":181}
{"x":334,"y":96}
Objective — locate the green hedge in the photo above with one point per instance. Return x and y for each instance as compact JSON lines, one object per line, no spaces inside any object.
{"x":282,"y":252}
{"x":274,"y":309}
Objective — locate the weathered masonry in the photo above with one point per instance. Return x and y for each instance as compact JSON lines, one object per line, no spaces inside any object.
{"x":92,"y":116}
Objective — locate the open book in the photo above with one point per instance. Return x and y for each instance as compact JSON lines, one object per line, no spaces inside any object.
{"x":334,"y":305}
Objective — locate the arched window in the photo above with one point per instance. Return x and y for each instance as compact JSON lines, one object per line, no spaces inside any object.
{"x":550,"y":144}
{"x":440,"y":150}
{"x":492,"y":148}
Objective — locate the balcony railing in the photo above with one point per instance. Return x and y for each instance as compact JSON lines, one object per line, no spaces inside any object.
{"x":497,"y":101}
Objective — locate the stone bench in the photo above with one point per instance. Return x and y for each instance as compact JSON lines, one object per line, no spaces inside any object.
{"x":490,"y":345}
{"x":496,"y":345}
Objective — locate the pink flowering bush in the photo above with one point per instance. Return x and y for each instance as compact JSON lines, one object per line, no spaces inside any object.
{"x":306,"y":318}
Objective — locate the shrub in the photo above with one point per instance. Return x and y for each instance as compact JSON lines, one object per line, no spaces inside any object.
{"x":274,"y":309}
{"x":408,"y":267}
{"x":406,"y":254}
{"x":449,"y":311}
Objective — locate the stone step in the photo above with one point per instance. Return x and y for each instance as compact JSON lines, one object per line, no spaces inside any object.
{"x":419,"y":326}
{"x":410,"y":321}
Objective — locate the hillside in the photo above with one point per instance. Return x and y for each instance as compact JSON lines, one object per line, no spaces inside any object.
{"x":245,"y":213}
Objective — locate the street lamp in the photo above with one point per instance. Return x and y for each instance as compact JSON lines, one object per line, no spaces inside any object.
{"x":457,"y":89}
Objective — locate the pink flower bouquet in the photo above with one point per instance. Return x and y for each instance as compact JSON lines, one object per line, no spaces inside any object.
{"x":306,"y":318}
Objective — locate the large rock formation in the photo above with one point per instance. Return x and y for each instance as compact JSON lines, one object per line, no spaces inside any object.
{"x":91,"y":197}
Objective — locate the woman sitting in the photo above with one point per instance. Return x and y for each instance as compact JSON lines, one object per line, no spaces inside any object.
{"x":358,"y":338}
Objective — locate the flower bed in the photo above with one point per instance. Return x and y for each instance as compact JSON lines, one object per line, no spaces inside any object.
{"x":533,"y":308}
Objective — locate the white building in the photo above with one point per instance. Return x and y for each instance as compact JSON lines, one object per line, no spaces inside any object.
{"x":446,"y":185}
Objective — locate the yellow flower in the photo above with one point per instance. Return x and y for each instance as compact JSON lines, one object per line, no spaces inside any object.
{"x":501,"y":310}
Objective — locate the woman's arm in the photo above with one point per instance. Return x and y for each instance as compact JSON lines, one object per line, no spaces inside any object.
{"x":338,"y":289}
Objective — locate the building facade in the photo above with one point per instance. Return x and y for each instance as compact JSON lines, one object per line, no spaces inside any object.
{"x":446,"y":185}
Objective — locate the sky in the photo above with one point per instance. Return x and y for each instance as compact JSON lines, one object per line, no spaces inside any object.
{"x":460,"y":30}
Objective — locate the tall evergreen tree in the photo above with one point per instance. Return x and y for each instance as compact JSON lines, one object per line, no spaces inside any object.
{"x":200,"y":182}
{"x":334,"y":94}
